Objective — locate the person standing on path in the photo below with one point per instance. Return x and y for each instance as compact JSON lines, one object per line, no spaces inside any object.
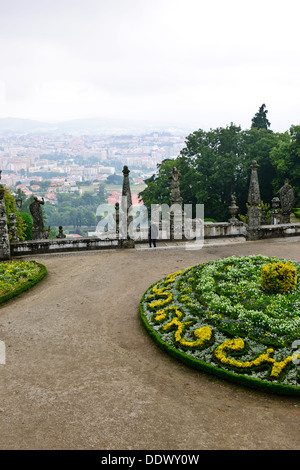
{"x":153,"y":234}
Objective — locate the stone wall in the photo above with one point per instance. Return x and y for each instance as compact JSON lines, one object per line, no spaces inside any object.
{"x":211,"y":231}
{"x":224,"y":229}
{"x":279,"y":230}
{"x":33,"y":247}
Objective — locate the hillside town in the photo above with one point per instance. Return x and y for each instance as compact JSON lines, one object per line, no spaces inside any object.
{"x":67,"y":161}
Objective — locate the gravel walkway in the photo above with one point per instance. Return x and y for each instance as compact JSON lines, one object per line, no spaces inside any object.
{"x":82,"y":373}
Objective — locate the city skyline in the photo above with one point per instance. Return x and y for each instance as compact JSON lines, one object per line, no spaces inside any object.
{"x":188,"y":63}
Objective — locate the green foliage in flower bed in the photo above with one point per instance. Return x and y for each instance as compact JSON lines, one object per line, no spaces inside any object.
{"x":220,"y":318}
{"x":17,"y":276}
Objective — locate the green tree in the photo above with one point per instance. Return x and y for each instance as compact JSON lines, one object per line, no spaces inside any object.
{"x":114,"y":179}
{"x":211,"y":167}
{"x":28,"y":222}
{"x":285,"y":158}
{"x":260,"y":121}
{"x":259,"y":145}
{"x":157,"y":190}
{"x":215,"y":165}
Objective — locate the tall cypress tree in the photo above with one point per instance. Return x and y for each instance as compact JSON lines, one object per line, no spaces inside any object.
{"x":260,"y":121}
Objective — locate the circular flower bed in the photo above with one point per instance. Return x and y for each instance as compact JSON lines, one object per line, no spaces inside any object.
{"x":17,"y":276}
{"x":227,"y":318}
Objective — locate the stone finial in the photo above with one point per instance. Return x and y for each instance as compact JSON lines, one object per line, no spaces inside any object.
{"x":233,"y":209}
{"x":60,"y":232}
{"x":126,"y":192}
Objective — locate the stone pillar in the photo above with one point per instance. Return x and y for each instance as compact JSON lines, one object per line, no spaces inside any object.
{"x":125,"y":220}
{"x":4,"y":236}
{"x":13,"y":231}
{"x":117,"y":218}
{"x":176,"y":215}
{"x":254,"y":211}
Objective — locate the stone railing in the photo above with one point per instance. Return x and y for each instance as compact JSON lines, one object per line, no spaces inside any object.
{"x":33,"y":247}
{"x":211,"y":231}
{"x":279,"y":230}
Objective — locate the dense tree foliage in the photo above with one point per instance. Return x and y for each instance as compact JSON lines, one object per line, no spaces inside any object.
{"x":260,"y":120}
{"x":215,"y":165}
{"x":72,"y":209}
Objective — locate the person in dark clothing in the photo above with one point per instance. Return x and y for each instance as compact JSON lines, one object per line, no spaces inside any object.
{"x":153,"y":234}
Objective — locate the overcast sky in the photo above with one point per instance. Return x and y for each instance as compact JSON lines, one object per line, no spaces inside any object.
{"x":197,"y":63}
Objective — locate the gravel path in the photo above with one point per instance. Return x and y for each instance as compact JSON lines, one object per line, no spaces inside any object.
{"x":82,"y":373}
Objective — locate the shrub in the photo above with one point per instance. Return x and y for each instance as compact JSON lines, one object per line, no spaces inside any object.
{"x":279,"y":277}
{"x":27,"y":221}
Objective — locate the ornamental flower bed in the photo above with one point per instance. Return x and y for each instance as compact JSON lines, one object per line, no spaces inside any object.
{"x":227,"y":318}
{"x":17,"y":276}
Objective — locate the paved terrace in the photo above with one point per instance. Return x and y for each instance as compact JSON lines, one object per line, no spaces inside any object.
{"x":81,"y":372}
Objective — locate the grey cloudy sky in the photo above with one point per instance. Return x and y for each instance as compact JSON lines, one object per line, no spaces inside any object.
{"x":197,"y":63}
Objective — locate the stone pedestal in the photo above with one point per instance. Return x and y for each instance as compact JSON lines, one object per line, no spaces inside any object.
{"x":176,"y":225}
{"x":37,"y":233}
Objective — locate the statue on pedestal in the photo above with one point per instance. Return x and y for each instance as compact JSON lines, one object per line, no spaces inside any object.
{"x":38,"y":228}
{"x":175,"y":189}
{"x":125,"y":220}
{"x":287,"y":199}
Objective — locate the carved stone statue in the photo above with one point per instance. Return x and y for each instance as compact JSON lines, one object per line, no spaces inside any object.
{"x":175,"y":188}
{"x":275,"y":214}
{"x":38,"y":228}
{"x":125,"y":219}
{"x":36,"y":212}
{"x":287,"y":199}
{"x":61,"y":232}
{"x":4,"y":235}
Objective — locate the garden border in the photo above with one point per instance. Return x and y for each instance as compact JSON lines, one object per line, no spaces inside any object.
{"x":4,"y":298}
{"x":239,"y":379}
